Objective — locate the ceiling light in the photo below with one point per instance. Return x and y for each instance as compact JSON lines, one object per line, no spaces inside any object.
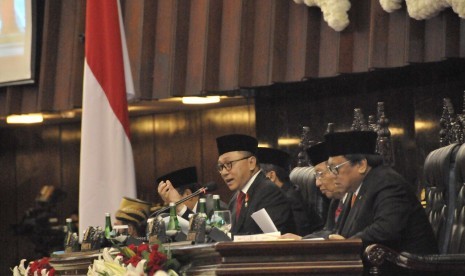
{"x":288,"y":141}
{"x":25,"y":118}
{"x":201,"y":100}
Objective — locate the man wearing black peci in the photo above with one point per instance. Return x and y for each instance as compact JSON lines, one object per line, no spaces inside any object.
{"x":179,"y":184}
{"x":384,"y":208}
{"x":325,"y":181}
{"x":240,"y":171}
{"x":275,"y":165}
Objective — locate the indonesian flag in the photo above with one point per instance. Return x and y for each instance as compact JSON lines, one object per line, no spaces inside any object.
{"x":107,"y":164}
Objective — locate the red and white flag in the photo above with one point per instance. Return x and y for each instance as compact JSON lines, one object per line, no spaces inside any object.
{"x":107,"y":162}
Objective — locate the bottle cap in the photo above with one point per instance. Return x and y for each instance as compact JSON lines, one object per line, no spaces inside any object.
{"x":172,"y":204}
{"x":202,"y":200}
{"x":107,"y":214}
{"x":69,"y":220}
{"x":216,"y":196}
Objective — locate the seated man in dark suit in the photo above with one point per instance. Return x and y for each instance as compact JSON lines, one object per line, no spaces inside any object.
{"x":325,"y":181}
{"x":384,"y":208}
{"x":275,"y":165}
{"x":240,"y":171}
{"x":179,"y":184}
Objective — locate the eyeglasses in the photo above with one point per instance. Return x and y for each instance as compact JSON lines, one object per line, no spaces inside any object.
{"x":228,"y":165}
{"x":335,"y":169}
{"x":318,"y":174}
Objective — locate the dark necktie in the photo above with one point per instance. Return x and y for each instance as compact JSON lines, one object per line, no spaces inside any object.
{"x":338,"y":210}
{"x":239,"y":201}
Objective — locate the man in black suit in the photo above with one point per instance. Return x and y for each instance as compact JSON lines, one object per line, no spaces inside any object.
{"x":275,"y":165}
{"x":240,"y":171}
{"x":325,"y":181}
{"x":179,"y":184}
{"x":384,"y":208}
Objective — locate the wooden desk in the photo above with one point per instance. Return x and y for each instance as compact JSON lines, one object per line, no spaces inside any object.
{"x":272,"y":258}
{"x":247,"y":258}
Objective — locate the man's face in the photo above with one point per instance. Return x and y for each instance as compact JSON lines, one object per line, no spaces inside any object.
{"x":348,"y":176}
{"x":325,"y":181}
{"x":237,"y":169}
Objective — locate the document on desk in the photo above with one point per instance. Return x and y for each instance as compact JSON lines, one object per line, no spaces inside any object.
{"x":264,"y":221}
{"x":258,"y":237}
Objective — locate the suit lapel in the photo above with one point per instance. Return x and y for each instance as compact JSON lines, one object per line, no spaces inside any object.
{"x":354,"y":211}
{"x":232,"y":208}
{"x":343,"y":217}
{"x":330,"y":220}
{"x":249,"y":200}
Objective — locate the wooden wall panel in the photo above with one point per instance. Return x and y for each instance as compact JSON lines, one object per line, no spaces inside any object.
{"x":177,"y":141}
{"x":143,"y":148}
{"x":302,"y":43}
{"x":328,"y":51}
{"x":69,"y":59}
{"x":452,"y":32}
{"x":203,"y":53}
{"x":246,"y":59}
{"x":69,"y":149}
{"x":360,"y":19}
{"x":379,"y":36}
{"x":279,"y":39}
{"x":197,"y":47}
{"x":262,"y":43}
{"x":435,"y":38}
{"x":48,"y":56}
{"x":171,"y":36}
{"x":9,"y":195}
{"x":37,"y":163}
{"x":397,"y":39}
{"x":415,"y":41}
{"x":187,"y":47}
{"x":232,"y":31}
{"x":140,"y":19}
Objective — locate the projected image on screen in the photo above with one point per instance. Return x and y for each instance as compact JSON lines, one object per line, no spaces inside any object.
{"x":15,"y":41}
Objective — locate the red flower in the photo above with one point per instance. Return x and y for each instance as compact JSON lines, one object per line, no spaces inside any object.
{"x":134,"y":260}
{"x":39,"y":265}
{"x":155,"y":259}
{"x":141,"y":248}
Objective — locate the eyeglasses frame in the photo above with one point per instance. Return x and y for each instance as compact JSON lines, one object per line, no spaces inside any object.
{"x":220,"y":167}
{"x":335,"y":169}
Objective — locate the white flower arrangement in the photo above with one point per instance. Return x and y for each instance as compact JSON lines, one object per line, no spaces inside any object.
{"x":425,"y":9}
{"x":391,"y":5}
{"x":334,"y":11}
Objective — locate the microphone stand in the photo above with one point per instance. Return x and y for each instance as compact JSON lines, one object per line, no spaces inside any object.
{"x":196,"y":193}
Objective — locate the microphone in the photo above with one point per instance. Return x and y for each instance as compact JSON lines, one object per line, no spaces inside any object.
{"x":210,"y":186}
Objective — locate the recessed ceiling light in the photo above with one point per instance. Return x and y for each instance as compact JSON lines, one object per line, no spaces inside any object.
{"x":201,"y":100}
{"x":32,"y":118}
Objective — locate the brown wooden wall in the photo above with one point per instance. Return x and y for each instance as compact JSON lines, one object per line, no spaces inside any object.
{"x":192,"y":47}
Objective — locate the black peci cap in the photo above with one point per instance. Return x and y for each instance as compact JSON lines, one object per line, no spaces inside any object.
{"x":182,"y":177}
{"x":351,"y":142}
{"x":236,"y":142}
{"x":317,"y":153}
{"x":273,"y":156}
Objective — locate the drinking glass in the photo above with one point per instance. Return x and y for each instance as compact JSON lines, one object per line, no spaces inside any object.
{"x":222,"y":220}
